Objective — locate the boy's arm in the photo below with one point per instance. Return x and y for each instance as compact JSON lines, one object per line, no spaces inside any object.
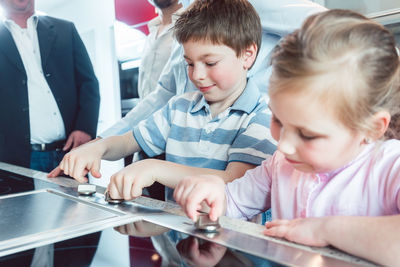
{"x":86,"y":158}
{"x":130,"y":181}
{"x":170,"y":173}
{"x":373,"y":238}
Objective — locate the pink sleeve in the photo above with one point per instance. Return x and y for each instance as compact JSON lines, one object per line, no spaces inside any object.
{"x":251,"y":194}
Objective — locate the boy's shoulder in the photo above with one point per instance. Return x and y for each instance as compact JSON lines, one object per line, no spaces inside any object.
{"x":251,"y":100}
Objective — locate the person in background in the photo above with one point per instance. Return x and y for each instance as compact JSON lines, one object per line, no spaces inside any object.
{"x":158,"y":46}
{"x":335,"y":84}
{"x":222,"y":128}
{"x":157,"y":51}
{"x":49,"y":95}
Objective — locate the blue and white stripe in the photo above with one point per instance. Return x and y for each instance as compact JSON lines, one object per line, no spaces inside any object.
{"x":186,"y":132}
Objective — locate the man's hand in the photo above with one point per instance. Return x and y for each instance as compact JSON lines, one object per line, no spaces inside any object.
{"x":75,"y":139}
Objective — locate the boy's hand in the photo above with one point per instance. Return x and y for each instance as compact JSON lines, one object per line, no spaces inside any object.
{"x":82,"y":160}
{"x":129,"y":182}
{"x":193,"y":190}
{"x":304,"y":231}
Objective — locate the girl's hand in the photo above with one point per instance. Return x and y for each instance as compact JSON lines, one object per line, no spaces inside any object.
{"x":82,"y":160}
{"x":193,"y":190}
{"x":304,"y":231}
{"x":129,"y":182}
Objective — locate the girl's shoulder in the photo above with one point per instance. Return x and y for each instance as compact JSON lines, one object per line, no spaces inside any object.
{"x":389,"y":147}
{"x":385,"y":153}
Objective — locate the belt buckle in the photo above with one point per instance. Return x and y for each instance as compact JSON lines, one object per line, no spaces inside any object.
{"x":43,"y":147}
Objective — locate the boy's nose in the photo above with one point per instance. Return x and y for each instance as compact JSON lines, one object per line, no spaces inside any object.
{"x":286,"y":144}
{"x":198,"y":73}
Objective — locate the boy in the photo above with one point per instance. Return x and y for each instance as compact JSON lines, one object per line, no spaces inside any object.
{"x":221,"y":129}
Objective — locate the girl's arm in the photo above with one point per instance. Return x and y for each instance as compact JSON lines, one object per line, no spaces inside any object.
{"x":373,"y":238}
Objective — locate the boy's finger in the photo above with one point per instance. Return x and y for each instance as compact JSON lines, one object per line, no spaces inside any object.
{"x":54,"y":173}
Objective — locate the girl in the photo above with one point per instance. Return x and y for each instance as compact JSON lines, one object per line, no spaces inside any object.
{"x":334,"y":86}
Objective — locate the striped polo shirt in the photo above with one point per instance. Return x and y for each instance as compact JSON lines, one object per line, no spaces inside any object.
{"x":187,"y":133}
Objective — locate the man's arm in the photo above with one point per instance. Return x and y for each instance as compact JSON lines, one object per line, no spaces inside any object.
{"x":173,"y":81}
{"x":278,"y":18}
{"x":87,"y":87}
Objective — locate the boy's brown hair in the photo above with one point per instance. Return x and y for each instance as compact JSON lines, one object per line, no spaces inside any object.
{"x":233,"y":23}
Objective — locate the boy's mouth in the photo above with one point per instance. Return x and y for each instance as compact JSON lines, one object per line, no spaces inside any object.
{"x":204,"y":89}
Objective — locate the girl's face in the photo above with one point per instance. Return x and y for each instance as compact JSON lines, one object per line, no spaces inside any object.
{"x":311,"y":138}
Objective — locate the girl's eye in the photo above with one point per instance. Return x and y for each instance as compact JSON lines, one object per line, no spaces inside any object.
{"x":211,"y":64}
{"x":307,"y":137}
{"x":276,"y":121}
{"x":189,"y":64}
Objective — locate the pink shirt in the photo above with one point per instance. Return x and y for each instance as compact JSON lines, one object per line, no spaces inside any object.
{"x":369,"y":185}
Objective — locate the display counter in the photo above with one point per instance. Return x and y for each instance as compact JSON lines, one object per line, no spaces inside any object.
{"x":48,"y":220}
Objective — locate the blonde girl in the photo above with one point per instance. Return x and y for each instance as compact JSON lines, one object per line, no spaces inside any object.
{"x":333,"y":89}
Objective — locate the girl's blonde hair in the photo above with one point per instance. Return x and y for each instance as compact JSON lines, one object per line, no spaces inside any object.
{"x":352,"y":60}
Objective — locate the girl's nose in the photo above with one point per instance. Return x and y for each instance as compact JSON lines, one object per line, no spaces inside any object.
{"x":286,"y":144}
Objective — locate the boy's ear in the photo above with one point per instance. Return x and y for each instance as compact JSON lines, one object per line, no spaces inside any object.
{"x":381,"y":121}
{"x":249,"y":56}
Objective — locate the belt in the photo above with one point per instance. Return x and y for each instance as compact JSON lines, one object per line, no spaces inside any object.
{"x":57,"y":145}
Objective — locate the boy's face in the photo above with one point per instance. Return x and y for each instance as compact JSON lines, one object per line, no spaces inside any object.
{"x":311,"y":138}
{"x":216,"y":70}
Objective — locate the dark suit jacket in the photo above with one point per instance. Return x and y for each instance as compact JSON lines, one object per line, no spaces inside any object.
{"x":68,"y":72}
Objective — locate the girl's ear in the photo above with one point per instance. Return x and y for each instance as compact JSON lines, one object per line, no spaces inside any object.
{"x":381,"y":121}
{"x":249,"y":56}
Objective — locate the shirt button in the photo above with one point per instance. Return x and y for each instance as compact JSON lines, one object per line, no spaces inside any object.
{"x":55,"y":113}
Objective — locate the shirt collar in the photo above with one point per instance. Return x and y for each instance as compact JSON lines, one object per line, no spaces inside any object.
{"x":246,"y":102}
{"x":364,"y":153}
{"x":154,"y":23}
{"x":32,"y":20}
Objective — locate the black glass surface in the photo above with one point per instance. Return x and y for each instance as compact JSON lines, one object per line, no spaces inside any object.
{"x":147,"y":244}
{"x":15,"y":183}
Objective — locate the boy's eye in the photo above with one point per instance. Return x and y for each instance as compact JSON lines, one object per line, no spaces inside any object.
{"x":211,"y":64}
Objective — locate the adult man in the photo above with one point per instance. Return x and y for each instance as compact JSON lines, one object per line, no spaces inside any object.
{"x":49,"y":95}
{"x":158,"y":45}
